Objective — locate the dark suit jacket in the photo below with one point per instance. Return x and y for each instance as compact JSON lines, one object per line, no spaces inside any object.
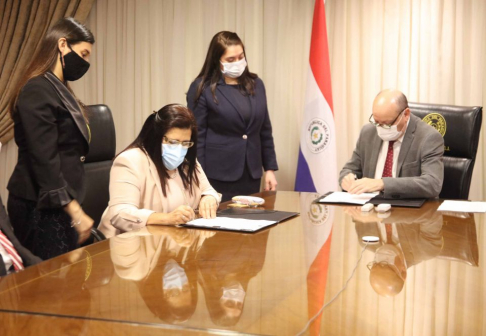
{"x":225,"y":141}
{"x":27,"y":257}
{"x":53,"y":139}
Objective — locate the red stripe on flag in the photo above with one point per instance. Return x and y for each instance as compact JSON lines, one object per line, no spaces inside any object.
{"x":316,"y":284}
{"x":319,"y":52}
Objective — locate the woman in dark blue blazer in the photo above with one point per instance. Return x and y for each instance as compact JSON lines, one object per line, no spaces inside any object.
{"x":234,"y":131}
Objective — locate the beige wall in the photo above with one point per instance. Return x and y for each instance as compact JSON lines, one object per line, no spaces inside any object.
{"x":148,"y":52}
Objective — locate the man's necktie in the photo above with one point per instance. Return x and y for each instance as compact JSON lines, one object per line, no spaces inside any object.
{"x":387,"y":171}
{"x":8,"y":246}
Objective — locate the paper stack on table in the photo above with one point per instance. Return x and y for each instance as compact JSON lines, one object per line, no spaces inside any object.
{"x":344,"y":197}
{"x":226,"y":223}
{"x":462,"y":206}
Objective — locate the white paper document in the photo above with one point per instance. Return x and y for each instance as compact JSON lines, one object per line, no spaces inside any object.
{"x":237,"y":224}
{"x":462,"y":206}
{"x":344,"y":197}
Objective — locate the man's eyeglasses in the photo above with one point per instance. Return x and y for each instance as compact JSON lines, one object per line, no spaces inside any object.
{"x":385,"y":126}
{"x":174,"y":142}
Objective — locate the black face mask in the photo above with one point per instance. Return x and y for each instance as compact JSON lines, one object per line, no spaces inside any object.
{"x":74,"y":66}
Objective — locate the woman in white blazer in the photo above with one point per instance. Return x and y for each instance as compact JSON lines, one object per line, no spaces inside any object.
{"x":157,"y":180}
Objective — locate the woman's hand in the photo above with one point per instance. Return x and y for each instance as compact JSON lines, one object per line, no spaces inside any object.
{"x":181,"y":215}
{"x":81,"y":222}
{"x":84,"y":228}
{"x":208,"y":207}
{"x":270,"y":181}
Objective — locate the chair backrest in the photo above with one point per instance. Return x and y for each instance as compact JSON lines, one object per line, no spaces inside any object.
{"x":99,"y":161}
{"x":460,"y":126}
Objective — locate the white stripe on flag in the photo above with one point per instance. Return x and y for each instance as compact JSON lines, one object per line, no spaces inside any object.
{"x":317,"y":220}
{"x":318,"y":138}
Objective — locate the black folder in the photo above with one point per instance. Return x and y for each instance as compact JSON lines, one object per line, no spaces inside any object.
{"x":249,"y":213}
{"x":261,"y":214}
{"x":380,"y":199}
{"x":401,"y":202}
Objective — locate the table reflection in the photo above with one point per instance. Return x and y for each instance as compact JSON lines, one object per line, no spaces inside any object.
{"x":407,"y":237}
{"x":167,"y":264}
{"x":164,"y":267}
{"x":226,"y":267}
{"x":65,"y":285}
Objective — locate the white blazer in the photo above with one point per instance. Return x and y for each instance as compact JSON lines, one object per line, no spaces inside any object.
{"x":136,"y":193}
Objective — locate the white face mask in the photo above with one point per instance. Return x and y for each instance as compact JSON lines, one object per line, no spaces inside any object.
{"x":174,"y":276}
{"x":235,"y":69}
{"x":390,"y":134}
{"x":234,"y":292}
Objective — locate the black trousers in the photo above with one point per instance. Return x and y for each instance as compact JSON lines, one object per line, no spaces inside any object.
{"x":46,"y":233}
{"x":246,"y":185}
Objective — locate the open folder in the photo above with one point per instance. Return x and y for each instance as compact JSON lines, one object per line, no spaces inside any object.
{"x":338,"y":197}
{"x":242,"y":220}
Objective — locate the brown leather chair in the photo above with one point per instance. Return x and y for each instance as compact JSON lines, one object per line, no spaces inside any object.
{"x":460,"y":126}
{"x":98,"y":163}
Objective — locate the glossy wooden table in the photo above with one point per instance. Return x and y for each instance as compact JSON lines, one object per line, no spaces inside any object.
{"x":268,"y":283}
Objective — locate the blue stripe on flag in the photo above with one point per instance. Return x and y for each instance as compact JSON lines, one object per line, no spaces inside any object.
{"x":303,"y":181}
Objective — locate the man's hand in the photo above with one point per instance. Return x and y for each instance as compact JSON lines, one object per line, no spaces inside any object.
{"x":347,"y":181}
{"x":366,"y":185}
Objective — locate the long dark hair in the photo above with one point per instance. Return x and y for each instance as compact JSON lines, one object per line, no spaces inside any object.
{"x":211,"y":72}
{"x":150,"y":139}
{"x":47,"y":54}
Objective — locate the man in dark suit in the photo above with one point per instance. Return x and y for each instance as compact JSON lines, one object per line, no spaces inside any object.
{"x":7,"y":236}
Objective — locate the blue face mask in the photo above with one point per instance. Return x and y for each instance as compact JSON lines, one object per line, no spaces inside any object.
{"x":173,"y":155}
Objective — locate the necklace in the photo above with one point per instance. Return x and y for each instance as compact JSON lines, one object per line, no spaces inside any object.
{"x":173,"y":175}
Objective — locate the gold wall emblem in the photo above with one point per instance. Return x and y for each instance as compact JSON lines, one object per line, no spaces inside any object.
{"x":437,"y":121}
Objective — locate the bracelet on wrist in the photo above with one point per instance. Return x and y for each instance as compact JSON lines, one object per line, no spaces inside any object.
{"x":73,"y":222}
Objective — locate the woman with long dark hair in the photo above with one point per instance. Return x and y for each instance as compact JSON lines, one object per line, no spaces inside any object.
{"x":157,"y":180}
{"x":52,"y":134}
{"x":235,"y":134}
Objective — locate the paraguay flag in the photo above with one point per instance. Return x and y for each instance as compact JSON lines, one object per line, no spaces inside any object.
{"x":317,"y":166}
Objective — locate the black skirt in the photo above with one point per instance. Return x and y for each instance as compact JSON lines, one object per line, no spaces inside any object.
{"x":46,"y":233}
{"x":245,"y":185}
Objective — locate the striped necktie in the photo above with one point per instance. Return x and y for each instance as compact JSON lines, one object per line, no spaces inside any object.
{"x":8,"y":246}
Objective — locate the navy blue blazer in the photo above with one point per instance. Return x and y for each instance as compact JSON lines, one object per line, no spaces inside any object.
{"x":225,"y":141}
